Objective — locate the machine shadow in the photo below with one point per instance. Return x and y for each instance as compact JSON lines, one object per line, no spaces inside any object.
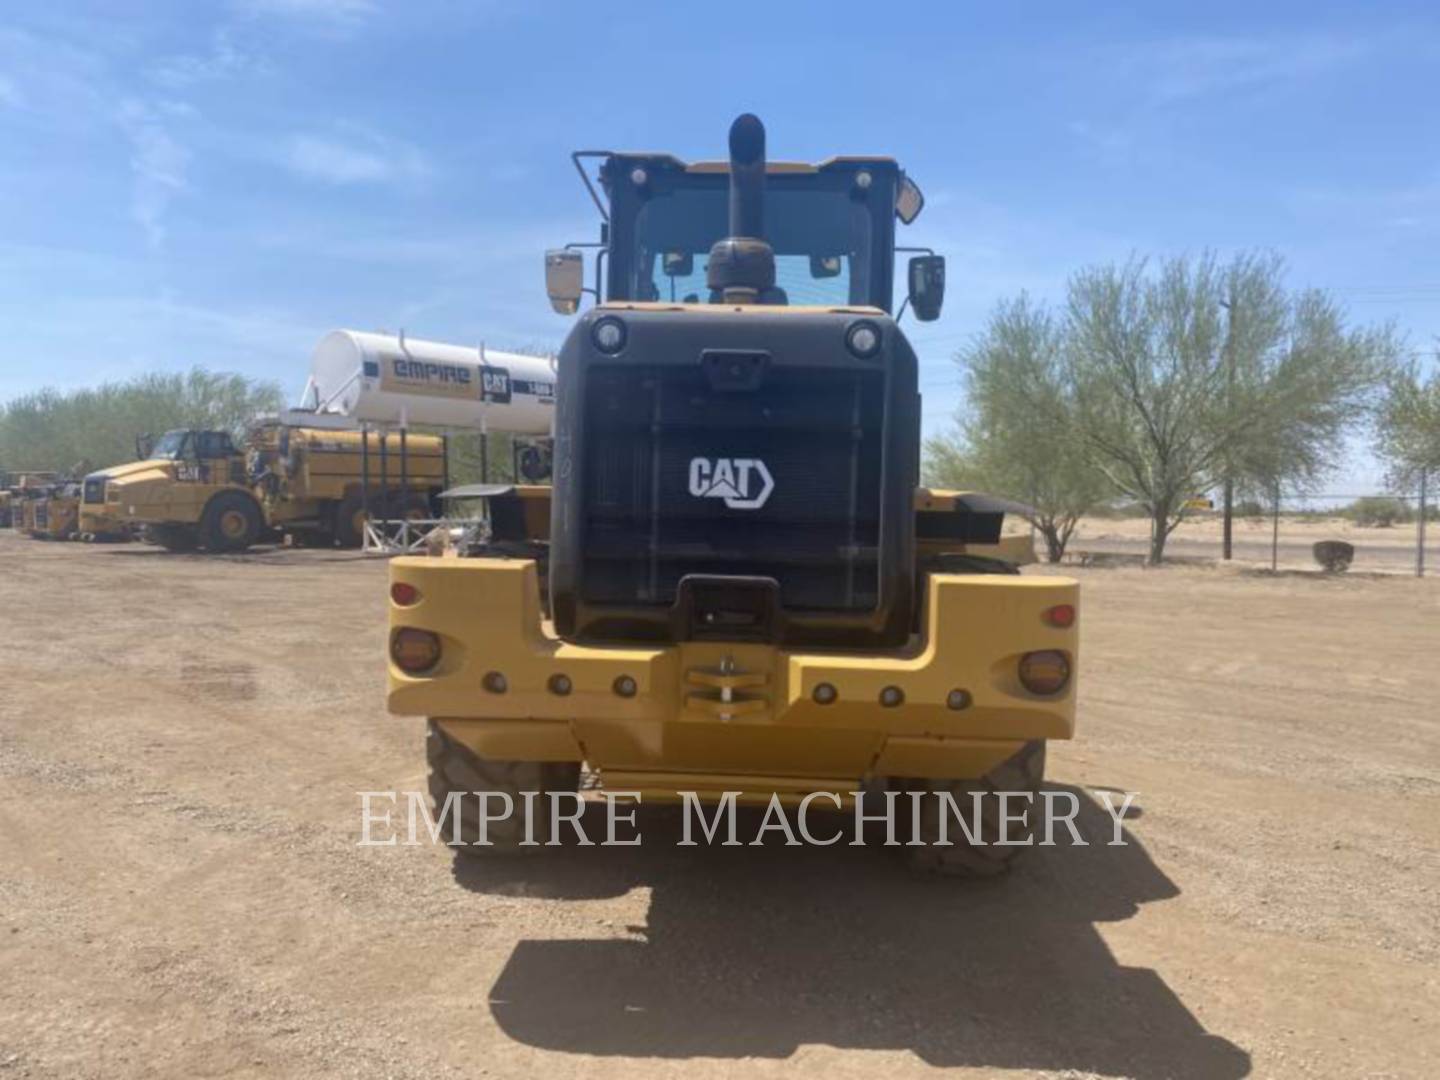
{"x":756,"y":951}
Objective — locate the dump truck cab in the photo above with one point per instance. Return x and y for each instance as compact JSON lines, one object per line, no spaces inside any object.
{"x":739,"y":603}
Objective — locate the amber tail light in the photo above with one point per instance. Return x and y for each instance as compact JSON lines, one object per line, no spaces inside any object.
{"x":414,"y":651}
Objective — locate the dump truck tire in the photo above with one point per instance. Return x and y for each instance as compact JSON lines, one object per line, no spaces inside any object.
{"x":231,"y":522}
{"x":454,"y":767}
{"x":1024,"y":771}
{"x":177,"y":538}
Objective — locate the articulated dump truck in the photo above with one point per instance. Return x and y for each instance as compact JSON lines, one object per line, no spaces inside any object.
{"x":198,"y":489}
{"x":749,"y":592}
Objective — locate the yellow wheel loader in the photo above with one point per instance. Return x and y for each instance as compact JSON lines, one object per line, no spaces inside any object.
{"x":751,"y":600}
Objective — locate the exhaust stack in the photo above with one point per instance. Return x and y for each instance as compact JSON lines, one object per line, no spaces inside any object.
{"x":742,"y":266}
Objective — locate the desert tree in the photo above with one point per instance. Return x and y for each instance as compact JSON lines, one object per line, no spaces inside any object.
{"x":97,"y":425}
{"x":1407,"y":425}
{"x":1015,"y":434}
{"x":1174,"y":390}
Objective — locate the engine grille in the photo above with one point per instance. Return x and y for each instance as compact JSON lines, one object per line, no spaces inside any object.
{"x":818,"y":432}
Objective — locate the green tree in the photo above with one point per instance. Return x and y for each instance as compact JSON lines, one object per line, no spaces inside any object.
{"x":1408,"y":425}
{"x":1170,"y":399}
{"x":53,"y":430}
{"x":1015,"y":434}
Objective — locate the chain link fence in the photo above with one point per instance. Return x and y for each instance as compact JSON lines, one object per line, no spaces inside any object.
{"x":1385,"y":531}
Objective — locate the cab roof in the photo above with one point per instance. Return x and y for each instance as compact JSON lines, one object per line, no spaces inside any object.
{"x":722,"y":166}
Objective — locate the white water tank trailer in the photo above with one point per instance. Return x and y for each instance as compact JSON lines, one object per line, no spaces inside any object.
{"x":399,"y":381}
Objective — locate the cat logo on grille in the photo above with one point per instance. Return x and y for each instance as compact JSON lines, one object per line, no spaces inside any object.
{"x":744,"y":483}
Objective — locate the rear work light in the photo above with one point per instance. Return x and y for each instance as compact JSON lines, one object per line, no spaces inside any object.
{"x":404,"y":594}
{"x":1046,"y":672}
{"x":414,"y":651}
{"x":1061,"y":615}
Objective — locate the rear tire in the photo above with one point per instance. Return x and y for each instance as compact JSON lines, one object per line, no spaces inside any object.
{"x":231,"y":522}
{"x":454,"y":767}
{"x":1023,"y":771}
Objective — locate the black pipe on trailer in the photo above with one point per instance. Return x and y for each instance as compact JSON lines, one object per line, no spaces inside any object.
{"x":404,"y":476}
{"x":364,"y":475}
{"x":384,"y":475}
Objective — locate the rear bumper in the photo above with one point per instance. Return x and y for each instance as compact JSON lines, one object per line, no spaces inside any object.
{"x":723,"y":710}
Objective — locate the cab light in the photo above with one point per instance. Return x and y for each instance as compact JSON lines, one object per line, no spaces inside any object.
{"x":608,"y":335}
{"x":404,"y":594}
{"x":863,"y":339}
{"x":1061,"y":615}
{"x":414,"y":651}
{"x":1046,"y":672}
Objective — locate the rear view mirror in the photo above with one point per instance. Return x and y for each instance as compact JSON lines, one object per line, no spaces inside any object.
{"x":824,"y":266}
{"x":908,"y":200}
{"x":927,"y":286}
{"x":564,"y":280}
{"x":143,"y":445}
{"x":678,"y":263}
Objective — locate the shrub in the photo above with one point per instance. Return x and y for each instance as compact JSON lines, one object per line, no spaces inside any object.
{"x":1379,"y":512}
{"x":1334,"y":555}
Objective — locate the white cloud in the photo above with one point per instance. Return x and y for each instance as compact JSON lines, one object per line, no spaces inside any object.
{"x":9,"y":93}
{"x":1195,"y":67}
{"x":158,"y":165}
{"x":224,"y":60}
{"x":361,"y":158}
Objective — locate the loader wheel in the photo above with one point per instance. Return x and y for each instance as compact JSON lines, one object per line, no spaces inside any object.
{"x":454,"y":767}
{"x":1022,"y":772}
{"x":175,"y":538}
{"x":231,"y":522}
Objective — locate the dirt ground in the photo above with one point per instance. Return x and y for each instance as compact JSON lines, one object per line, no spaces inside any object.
{"x":182,"y":739}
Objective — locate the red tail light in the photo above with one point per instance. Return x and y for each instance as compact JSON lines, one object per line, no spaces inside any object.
{"x":1061,"y":615}
{"x":404,"y":594}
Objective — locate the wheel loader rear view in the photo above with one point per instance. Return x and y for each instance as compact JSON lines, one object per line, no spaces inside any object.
{"x":749,"y":592}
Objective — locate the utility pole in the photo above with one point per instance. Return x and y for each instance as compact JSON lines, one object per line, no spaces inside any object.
{"x":1228,"y":493}
{"x":1275,"y":533}
{"x":1420,"y":540}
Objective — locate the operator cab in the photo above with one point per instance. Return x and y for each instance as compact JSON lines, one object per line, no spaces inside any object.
{"x":830,"y":227}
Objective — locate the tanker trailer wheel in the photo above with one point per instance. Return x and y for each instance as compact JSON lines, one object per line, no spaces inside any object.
{"x":1021,"y":772}
{"x":231,"y":522}
{"x":454,"y":767}
{"x":176,"y":538}
{"x":349,"y":527}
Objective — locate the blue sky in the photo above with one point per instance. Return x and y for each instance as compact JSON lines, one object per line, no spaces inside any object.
{"x":220,"y":183}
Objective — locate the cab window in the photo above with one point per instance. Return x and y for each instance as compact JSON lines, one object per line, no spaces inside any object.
{"x":213,"y":444}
